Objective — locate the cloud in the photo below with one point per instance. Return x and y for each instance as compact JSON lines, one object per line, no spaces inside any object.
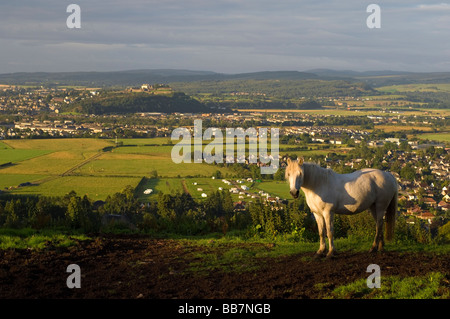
{"x":434,"y":7}
{"x":222,"y":35}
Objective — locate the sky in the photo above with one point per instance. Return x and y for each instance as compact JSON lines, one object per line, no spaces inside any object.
{"x":226,"y":36}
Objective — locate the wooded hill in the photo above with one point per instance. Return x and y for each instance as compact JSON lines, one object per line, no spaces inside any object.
{"x":122,"y":103}
{"x":282,"y":89}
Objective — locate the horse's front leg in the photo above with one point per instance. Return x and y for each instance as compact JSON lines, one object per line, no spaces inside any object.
{"x":321,"y":227}
{"x":329,"y":223}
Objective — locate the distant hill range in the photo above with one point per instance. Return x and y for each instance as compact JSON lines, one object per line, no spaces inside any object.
{"x":138,"y":77}
{"x":167,"y":76}
{"x":384,"y":78}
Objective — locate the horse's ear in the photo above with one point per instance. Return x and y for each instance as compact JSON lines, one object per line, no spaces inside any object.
{"x":300,"y":161}
{"x":289,"y":161}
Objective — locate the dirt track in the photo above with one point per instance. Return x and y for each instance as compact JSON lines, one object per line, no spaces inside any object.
{"x":139,"y":267}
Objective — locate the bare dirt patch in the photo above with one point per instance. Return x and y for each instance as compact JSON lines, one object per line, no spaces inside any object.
{"x":140,"y":267}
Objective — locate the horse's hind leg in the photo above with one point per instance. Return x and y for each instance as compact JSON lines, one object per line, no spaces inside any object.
{"x":378,"y":243}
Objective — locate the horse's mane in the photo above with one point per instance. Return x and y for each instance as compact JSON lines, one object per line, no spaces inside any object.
{"x":315,"y":174}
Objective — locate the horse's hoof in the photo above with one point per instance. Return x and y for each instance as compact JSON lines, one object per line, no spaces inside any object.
{"x":319,"y":255}
{"x":331,"y":255}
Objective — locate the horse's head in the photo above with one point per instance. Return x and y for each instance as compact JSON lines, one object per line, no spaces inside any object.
{"x":294,"y":175}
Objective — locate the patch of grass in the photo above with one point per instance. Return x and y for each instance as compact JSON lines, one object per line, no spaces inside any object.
{"x":14,"y":180}
{"x":434,"y":285}
{"x":59,"y":144}
{"x":27,"y":238}
{"x":4,"y":146}
{"x":442,"y":137}
{"x":236,"y":252}
{"x":16,"y":155}
{"x":95,"y":187}
{"x":233,"y":253}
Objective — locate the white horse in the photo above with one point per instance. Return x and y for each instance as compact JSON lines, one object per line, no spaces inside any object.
{"x":328,"y":193}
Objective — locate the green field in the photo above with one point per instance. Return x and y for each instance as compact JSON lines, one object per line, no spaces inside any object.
{"x":13,"y":180}
{"x":57,"y":166}
{"x":4,"y":146}
{"x":275,"y":188}
{"x":96,"y":188}
{"x":51,"y":165}
{"x":18,"y":155}
{"x":196,"y":186}
{"x":442,"y":137}
{"x":419,"y":87}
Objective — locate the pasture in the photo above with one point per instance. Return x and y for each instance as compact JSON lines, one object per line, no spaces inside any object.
{"x":56,"y":166}
{"x":95,"y":187}
{"x":417,"y":87}
{"x":441,"y":137}
{"x":53,"y":167}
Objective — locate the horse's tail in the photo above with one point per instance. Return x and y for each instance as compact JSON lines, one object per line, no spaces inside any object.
{"x":391,"y":213}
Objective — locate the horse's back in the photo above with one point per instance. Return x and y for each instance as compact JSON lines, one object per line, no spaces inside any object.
{"x":370,"y":177}
{"x":364,"y":188}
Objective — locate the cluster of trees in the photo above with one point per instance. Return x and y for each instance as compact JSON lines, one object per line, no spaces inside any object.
{"x":181,"y":214}
{"x":122,"y":103}
{"x":430,"y":99}
{"x":70,"y":211}
{"x":178,"y":213}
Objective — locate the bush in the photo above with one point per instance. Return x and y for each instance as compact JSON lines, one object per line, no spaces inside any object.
{"x":360,"y":225}
{"x":411,"y":230}
{"x":271,"y":221}
{"x":444,"y":233}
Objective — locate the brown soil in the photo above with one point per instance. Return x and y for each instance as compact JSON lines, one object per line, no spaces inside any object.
{"x":140,"y":267}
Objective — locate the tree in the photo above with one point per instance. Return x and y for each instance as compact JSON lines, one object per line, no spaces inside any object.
{"x":122,"y":203}
{"x":279,"y":175}
{"x":408,"y":172}
{"x":217,"y":174}
{"x":15,"y":213}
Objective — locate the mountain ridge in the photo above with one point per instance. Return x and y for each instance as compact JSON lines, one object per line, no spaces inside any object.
{"x":140,"y":76}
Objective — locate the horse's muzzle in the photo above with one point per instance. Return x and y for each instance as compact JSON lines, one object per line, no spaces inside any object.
{"x":294,"y":193}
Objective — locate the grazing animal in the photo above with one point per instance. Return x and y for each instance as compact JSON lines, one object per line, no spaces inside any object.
{"x":328,"y":193}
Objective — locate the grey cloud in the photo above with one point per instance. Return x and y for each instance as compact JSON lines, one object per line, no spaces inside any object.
{"x":225,"y":36}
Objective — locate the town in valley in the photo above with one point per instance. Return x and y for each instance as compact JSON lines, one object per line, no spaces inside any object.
{"x":401,"y":140}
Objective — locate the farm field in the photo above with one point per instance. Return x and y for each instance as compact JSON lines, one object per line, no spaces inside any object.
{"x":55,"y":167}
{"x":96,"y":188}
{"x":421,"y":87}
{"x":51,"y":166}
{"x":18,"y":155}
{"x":345,"y":112}
{"x":443,"y":137}
{"x":197,"y":186}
